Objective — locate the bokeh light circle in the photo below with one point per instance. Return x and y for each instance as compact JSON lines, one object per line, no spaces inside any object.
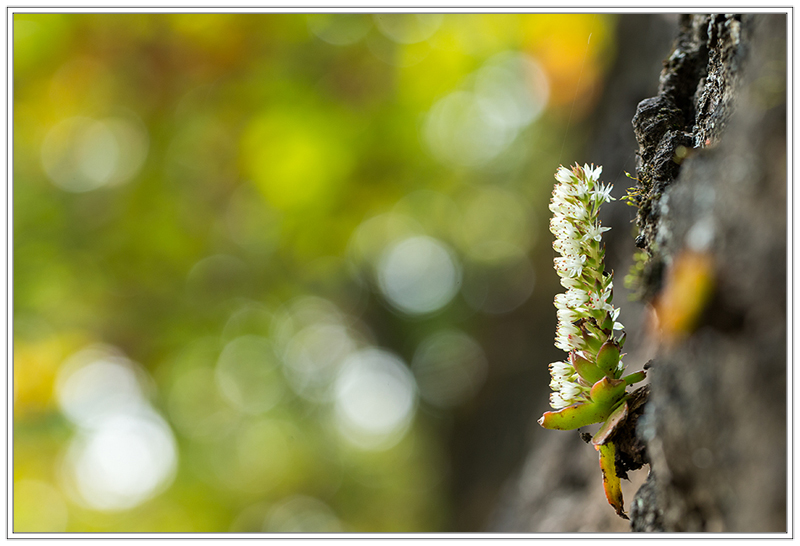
{"x":95,"y":383}
{"x":302,"y":514}
{"x":248,"y":374}
{"x":408,"y":28}
{"x":474,"y":124}
{"x":418,"y":275}
{"x":124,"y":452}
{"x":312,"y":359}
{"x":340,"y":28}
{"x":81,"y":154}
{"x":123,"y":461}
{"x":375,"y":399}
{"x":461,"y":131}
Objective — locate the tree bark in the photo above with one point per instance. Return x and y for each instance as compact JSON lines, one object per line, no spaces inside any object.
{"x":712,"y":219}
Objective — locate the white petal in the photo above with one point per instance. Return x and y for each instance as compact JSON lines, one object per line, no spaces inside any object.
{"x":563,"y":175}
{"x":556,"y":402}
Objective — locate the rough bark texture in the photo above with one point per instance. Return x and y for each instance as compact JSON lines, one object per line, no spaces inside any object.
{"x":712,"y":213}
{"x":715,"y":426}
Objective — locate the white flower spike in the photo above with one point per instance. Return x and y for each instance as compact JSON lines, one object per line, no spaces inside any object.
{"x":586,"y":318}
{"x":588,"y":387}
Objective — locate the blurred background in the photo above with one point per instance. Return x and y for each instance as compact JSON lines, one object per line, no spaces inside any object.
{"x":280,"y":273}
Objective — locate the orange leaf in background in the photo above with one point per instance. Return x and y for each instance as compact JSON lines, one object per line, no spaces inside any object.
{"x":690,"y":283}
{"x":573,"y":50}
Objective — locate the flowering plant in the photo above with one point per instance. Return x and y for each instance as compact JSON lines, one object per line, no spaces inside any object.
{"x":588,"y":386}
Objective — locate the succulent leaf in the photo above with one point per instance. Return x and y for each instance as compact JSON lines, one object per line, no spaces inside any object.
{"x":607,"y":392}
{"x":611,"y":483}
{"x":574,"y":416}
{"x":608,"y":358}
{"x":585,"y":368}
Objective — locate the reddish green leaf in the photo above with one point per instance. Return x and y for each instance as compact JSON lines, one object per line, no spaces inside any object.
{"x":611,"y":483}
{"x":574,"y":416}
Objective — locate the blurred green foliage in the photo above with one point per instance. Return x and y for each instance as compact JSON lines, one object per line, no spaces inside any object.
{"x":214,"y":199}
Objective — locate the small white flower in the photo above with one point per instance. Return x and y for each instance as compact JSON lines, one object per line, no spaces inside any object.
{"x":566,"y":247}
{"x":574,"y":211}
{"x":568,"y":315}
{"x":575,"y":297}
{"x":561,"y":370}
{"x":582,"y":189}
{"x":602,"y":194}
{"x":591,"y":172}
{"x":564,"y":192}
{"x":571,"y":282}
{"x":571,"y":266}
{"x":570,"y":391}
{"x":568,"y":329}
{"x":595,"y":233}
{"x":595,"y":302}
{"x":564,"y":175}
{"x":560,"y":224}
{"x":557,"y":402}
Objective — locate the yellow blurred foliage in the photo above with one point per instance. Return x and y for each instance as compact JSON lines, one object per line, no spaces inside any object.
{"x":285,"y":155}
{"x":574,"y":52}
{"x":215,"y":34}
{"x":297,"y":159}
{"x":81,"y":84}
{"x":35,"y":36}
{"x":36,"y":364}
